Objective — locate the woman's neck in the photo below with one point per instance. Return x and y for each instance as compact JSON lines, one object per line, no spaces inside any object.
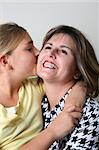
{"x":55,"y":91}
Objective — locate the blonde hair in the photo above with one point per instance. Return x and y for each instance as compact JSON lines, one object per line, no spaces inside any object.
{"x":11,"y":35}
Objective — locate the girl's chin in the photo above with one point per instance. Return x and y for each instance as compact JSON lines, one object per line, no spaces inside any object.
{"x":35,"y":71}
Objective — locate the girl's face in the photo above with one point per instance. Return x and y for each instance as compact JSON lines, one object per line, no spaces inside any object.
{"x":23,"y":58}
{"x":56,"y":61}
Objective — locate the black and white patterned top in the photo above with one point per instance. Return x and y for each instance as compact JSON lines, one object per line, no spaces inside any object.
{"x":85,"y":136}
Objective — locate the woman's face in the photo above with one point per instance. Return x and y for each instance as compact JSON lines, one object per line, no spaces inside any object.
{"x":56,"y":61}
{"x":23,"y":58}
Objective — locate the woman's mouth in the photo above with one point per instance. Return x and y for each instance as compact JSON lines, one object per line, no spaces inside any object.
{"x":49,"y":65}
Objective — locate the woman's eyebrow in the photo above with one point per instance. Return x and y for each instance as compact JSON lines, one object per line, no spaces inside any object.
{"x":65,"y":46}
{"x":62,"y":46}
{"x":49,"y":44}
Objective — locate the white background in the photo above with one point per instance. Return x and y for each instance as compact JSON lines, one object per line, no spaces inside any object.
{"x":38,"y":16}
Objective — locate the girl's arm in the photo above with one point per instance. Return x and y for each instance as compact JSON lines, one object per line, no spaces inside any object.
{"x":77,"y":94}
{"x":56,"y":130}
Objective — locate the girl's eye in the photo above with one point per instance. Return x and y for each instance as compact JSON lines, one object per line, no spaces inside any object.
{"x":29,"y":49}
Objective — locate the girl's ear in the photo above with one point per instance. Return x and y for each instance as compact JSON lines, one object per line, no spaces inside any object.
{"x":4,"y":61}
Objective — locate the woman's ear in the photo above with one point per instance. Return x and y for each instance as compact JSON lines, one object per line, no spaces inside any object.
{"x":77,"y":75}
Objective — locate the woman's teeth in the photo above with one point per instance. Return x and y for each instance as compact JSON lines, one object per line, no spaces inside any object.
{"x":49,"y":65}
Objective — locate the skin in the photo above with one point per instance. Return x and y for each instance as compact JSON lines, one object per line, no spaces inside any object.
{"x":16,"y":67}
{"x":57,"y":59}
{"x":57,"y":66}
{"x":24,"y":55}
{"x":13,"y":71}
{"x":70,"y":113}
{"x":56,"y":130}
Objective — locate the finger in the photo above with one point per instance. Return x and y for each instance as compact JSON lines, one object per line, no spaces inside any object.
{"x":75,"y":99}
{"x":75,"y":121}
{"x":72,"y":108}
{"x":76,"y":115}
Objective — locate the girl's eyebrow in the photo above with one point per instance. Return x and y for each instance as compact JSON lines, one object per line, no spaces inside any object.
{"x":29,"y":42}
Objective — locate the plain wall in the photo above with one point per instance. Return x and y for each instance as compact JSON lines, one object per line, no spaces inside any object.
{"x":38,"y":17}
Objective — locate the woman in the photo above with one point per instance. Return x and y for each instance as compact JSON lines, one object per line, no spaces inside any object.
{"x":65,"y":58}
{"x":21,"y":94}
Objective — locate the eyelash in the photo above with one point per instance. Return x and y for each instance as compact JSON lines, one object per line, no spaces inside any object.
{"x":29,"y":49}
{"x":63,"y":51}
{"x":47,"y":47}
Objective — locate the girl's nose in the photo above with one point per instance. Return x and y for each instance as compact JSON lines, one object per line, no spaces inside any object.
{"x":36,"y":51}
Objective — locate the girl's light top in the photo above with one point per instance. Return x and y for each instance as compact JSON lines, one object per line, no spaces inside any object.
{"x":21,"y":123}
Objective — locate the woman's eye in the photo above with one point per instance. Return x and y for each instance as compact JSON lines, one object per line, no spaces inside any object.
{"x":64,"y":52}
{"x":47,"y":47}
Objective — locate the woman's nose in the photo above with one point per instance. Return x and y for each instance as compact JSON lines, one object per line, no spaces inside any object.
{"x":52,"y":54}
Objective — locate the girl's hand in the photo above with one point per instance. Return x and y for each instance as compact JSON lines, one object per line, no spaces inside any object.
{"x":65,"y":122}
{"x":77,"y":94}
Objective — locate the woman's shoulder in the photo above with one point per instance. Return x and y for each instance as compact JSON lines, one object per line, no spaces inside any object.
{"x":91,"y":110}
{"x":86,"y":134}
{"x":91,"y":104}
